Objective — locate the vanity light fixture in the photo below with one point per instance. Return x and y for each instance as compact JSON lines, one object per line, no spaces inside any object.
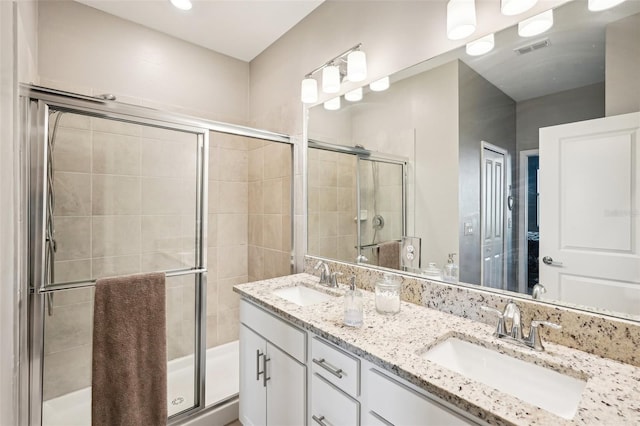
{"x":354,"y":95}
{"x":380,"y":85}
{"x":481,"y":46}
{"x":350,"y":65}
{"x":332,"y":104}
{"x":461,"y":19}
{"x":516,"y":7}
{"x":536,"y":24}
{"x":598,"y":5}
{"x":182,"y":4}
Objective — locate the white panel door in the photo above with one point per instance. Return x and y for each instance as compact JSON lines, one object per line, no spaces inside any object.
{"x":286,"y":389}
{"x":253,"y":390}
{"x":589,"y":212}
{"x":492,"y":216}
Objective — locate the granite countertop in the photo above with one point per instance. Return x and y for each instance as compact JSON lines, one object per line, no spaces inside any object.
{"x":394,"y":343}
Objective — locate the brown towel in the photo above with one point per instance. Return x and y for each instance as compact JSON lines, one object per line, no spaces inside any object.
{"x":129,"y":382}
{"x":389,"y":255}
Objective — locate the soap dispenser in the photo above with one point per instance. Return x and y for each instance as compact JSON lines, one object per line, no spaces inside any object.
{"x":451,"y":270}
{"x":353,"y":305}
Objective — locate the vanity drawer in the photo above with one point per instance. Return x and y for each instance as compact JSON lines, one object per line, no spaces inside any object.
{"x":330,"y":406}
{"x":336,"y":366}
{"x":287,"y":337}
{"x":396,"y":403}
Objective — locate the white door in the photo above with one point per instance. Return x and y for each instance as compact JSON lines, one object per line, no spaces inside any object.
{"x":492,"y":217}
{"x":253,"y":390}
{"x":589,"y":212}
{"x":286,"y":389}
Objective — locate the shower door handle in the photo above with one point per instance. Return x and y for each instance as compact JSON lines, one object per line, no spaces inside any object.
{"x":258,"y":372}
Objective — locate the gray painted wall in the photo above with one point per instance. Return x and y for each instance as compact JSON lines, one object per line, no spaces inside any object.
{"x":622,"y":65}
{"x":485,"y":114}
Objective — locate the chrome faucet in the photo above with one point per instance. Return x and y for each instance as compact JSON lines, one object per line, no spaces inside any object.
{"x":512,"y":313}
{"x":325,"y":273}
{"x":333,"y":279}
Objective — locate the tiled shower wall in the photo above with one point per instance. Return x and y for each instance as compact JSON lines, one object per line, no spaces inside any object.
{"x":332,"y":229}
{"x":125,"y":203}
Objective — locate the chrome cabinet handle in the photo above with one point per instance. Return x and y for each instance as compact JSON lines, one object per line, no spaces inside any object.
{"x":264,"y":370}
{"x":548,"y":260}
{"x":258,"y":356}
{"x":319,"y":420}
{"x":322,"y":363}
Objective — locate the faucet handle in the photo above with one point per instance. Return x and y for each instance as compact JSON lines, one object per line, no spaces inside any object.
{"x":534,"y":339}
{"x":324,"y":271}
{"x":333,"y":281}
{"x":500,"y":328}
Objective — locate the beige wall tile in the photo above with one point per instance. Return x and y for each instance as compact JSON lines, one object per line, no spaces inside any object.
{"x":73,"y":237}
{"x":225,"y":140}
{"x":114,"y":266}
{"x":227,"y":298}
{"x":328,"y":224}
{"x":167,"y":158}
{"x":212,"y":330}
{"x":212,"y":263}
{"x":272,"y":192}
{"x":346,"y":223}
{"x":116,"y":154}
{"x":72,"y":150}
{"x":167,"y":196}
{"x":256,"y":263}
{"x":256,"y":197}
{"x":212,"y":230}
{"x":162,"y":261}
{"x":115,"y":195}
{"x":214,"y":161}
{"x":346,"y":199}
{"x":232,"y":262}
{"x":161,"y":233}
{"x":277,"y":160}
{"x":74,"y":121}
{"x":232,"y":229}
{"x":72,"y":194}
{"x":175,"y":336}
{"x":113,"y":126}
{"x":347,"y":175}
{"x":272,"y":232}
{"x":228,"y":325}
{"x":212,"y":296}
{"x":233,"y":197}
{"x":115,"y":235}
{"x":256,"y":164}
{"x":276,"y":264}
{"x":256,"y":228}
{"x":72,"y":270}
{"x":328,"y":199}
{"x":66,"y":371}
{"x":68,"y":327}
{"x":233,"y":165}
{"x":287,"y":227}
{"x":213,"y":198}
{"x":160,"y":133}
{"x":72,"y":297}
{"x":255,"y":144}
{"x":328,"y":247}
{"x":328,"y":175}
{"x":286,"y":195}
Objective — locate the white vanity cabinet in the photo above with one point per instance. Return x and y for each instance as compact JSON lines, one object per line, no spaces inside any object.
{"x":349,"y":390}
{"x":273,"y":375}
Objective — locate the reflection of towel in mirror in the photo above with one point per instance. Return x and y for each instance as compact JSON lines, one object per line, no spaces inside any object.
{"x":389,"y":255}
{"x":129,"y":384}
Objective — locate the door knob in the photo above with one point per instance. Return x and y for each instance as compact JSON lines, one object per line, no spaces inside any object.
{"x":548,"y":260}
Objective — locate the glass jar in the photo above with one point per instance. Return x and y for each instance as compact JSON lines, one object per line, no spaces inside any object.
{"x":388,"y":296}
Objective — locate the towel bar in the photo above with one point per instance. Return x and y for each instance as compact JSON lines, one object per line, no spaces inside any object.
{"x":82,"y":284}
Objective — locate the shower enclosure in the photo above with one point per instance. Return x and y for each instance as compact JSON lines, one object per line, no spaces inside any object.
{"x":115,"y":189}
{"x":356,"y":201}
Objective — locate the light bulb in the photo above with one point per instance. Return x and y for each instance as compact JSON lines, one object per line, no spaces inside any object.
{"x":356,"y":66}
{"x":331,"y":79}
{"x":380,"y":85}
{"x":536,"y":24}
{"x":309,"y":91}
{"x":598,"y":5}
{"x":516,"y":7}
{"x":182,"y":4}
{"x":354,"y":95}
{"x":481,"y":46}
{"x":332,"y":104}
{"x":461,"y":18}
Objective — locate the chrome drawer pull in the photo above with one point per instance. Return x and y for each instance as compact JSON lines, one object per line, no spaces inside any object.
{"x":319,"y":420}
{"x":322,"y":363}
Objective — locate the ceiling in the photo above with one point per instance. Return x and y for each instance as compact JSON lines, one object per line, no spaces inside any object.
{"x":241,"y":29}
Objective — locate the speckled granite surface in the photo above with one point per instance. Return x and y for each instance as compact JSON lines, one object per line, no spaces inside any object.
{"x":602,"y":335}
{"x":611,"y":395}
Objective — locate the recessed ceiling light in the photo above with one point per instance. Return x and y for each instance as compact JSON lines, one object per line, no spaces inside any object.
{"x":182,"y":4}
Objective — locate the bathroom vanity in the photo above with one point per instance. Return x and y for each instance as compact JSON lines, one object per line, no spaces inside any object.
{"x":301,"y":365}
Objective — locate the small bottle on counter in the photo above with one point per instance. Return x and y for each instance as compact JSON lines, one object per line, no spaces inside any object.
{"x":451,"y":270}
{"x":388,"y":295}
{"x":353,"y":305}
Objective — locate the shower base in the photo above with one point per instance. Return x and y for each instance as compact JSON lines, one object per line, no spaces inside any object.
{"x":222,"y":382}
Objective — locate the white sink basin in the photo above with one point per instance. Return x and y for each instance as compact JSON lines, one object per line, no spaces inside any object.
{"x":302,"y":296}
{"x":539,"y":386}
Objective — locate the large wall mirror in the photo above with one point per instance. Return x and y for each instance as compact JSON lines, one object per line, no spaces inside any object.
{"x":523,"y":163}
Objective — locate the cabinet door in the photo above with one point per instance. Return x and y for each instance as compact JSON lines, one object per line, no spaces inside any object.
{"x":253,"y":390}
{"x":286,"y":389}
